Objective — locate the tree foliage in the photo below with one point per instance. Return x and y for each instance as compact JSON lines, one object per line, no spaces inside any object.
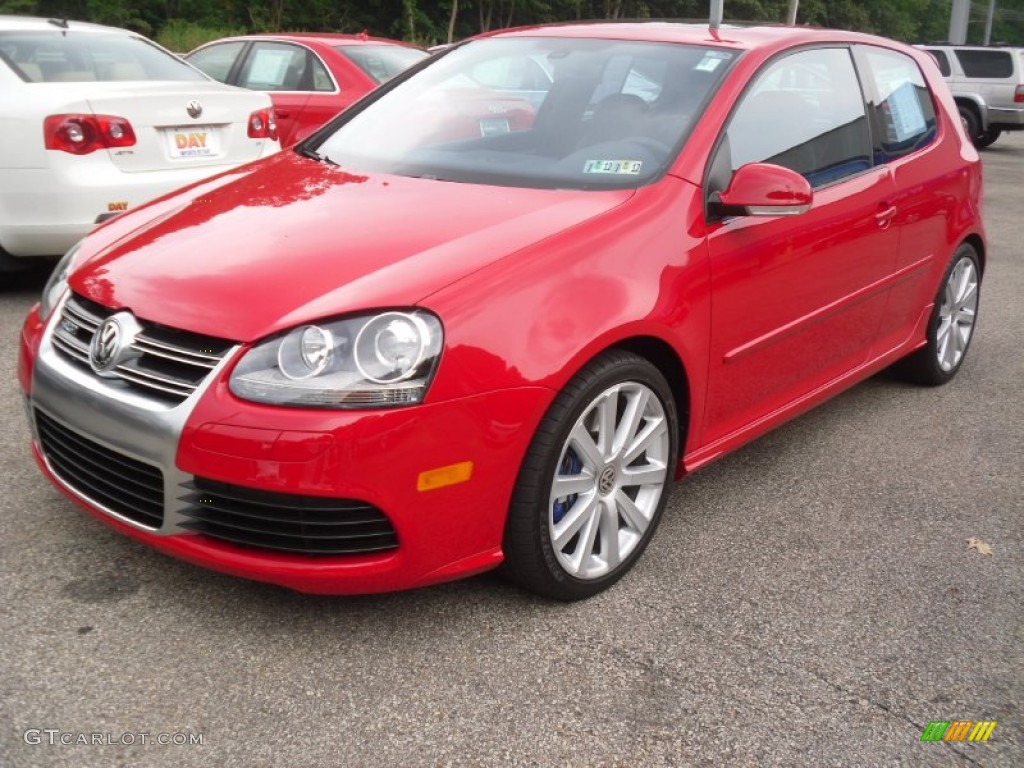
{"x":185,"y":23}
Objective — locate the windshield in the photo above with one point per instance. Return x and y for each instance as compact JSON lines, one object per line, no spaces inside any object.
{"x":63,"y":56}
{"x":535,"y":112}
{"x":382,"y":62}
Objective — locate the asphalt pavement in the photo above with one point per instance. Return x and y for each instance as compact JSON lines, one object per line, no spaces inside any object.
{"x":810,"y":600}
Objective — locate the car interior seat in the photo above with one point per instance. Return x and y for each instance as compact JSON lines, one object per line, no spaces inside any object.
{"x":614,"y":118}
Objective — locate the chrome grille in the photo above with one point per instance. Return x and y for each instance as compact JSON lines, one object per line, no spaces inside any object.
{"x":169,"y":366}
{"x":310,"y":525}
{"x":120,"y":484}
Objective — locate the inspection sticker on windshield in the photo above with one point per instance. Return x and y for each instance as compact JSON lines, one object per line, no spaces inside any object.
{"x":620,"y":167}
{"x":711,"y":61}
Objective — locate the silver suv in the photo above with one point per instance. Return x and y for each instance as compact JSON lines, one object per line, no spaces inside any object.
{"x":988,"y":85}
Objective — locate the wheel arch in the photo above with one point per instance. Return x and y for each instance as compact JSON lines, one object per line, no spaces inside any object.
{"x":977,"y":105}
{"x":975,"y":241}
{"x":663,"y":357}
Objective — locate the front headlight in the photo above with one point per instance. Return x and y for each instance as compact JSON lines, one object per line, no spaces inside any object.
{"x":371,"y":361}
{"x":57,"y":282}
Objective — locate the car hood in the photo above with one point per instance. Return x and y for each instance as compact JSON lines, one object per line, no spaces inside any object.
{"x":289,"y":240}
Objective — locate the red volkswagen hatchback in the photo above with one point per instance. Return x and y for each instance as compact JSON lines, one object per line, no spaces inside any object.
{"x":309,"y":77}
{"x":389,"y":358}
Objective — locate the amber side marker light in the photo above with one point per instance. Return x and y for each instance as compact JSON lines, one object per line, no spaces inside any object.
{"x":452,"y":474}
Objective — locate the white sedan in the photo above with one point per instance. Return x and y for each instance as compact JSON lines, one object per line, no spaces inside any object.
{"x":96,"y":120}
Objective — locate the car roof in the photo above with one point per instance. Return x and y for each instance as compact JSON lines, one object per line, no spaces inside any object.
{"x":35,"y":24}
{"x":326,"y":38}
{"x":992,"y":47}
{"x":730,"y":36}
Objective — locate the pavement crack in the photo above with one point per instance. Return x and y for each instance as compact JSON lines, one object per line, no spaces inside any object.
{"x":889,"y":711}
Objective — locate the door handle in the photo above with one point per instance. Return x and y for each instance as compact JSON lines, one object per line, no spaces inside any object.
{"x":283,"y":113}
{"x":885,"y":216}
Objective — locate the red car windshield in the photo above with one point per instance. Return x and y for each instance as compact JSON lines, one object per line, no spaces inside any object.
{"x":535,"y":112}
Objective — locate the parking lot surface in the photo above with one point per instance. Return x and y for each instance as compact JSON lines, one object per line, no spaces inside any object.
{"x":808,"y":600}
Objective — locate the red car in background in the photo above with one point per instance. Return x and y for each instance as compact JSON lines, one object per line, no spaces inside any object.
{"x":309,"y":77}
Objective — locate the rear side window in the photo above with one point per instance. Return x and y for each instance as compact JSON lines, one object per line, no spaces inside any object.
{"x":382,"y":62}
{"x":65,"y":56}
{"x":942,"y":60}
{"x":216,"y":60}
{"x":804,"y":112}
{"x":904,"y":116}
{"x":321,"y":79}
{"x":986,"y":63}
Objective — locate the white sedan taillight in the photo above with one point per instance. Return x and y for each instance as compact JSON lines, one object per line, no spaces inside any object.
{"x":263,"y":124}
{"x":82,"y":134}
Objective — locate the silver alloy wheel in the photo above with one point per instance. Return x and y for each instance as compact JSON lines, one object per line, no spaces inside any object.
{"x":956,"y":314}
{"x":609,"y":479}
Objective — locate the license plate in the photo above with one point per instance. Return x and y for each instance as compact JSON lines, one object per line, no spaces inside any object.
{"x":493,"y":126}
{"x":193,"y":141}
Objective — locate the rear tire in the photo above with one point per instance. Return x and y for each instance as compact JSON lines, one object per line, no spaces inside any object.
{"x":972,"y":122}
{"x":988,"y":138}
{"x":951,"y":326}
{"x":594,"y":482}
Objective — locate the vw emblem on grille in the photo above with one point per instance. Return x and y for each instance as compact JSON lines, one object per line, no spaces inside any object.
{"x":112,"y":343}
{"x":194,"y":109}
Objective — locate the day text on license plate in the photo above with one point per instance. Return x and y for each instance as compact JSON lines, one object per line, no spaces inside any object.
{"x":193,"y":141}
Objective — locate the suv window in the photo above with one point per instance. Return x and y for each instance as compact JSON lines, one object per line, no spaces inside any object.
{"x":804,"y":112}
{"x":943,"y":61}
{"x":904,"y":117}
{"x":986,"y":63}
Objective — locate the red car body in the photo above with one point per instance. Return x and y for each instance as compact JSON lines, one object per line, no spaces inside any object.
{"x":752,"y":320}
{"x":305,"y":105}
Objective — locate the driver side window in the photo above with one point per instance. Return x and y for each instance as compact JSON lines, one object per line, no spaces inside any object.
{"x":804,"y":112}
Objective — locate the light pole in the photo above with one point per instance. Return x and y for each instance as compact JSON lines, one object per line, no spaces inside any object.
{"x":958,"y":21}
{"x":988,"y":21}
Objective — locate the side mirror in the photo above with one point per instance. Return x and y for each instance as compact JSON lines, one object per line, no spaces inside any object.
{"x":762,"y":189}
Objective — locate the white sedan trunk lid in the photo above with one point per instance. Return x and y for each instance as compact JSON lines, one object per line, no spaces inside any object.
{"x":180,"y":124}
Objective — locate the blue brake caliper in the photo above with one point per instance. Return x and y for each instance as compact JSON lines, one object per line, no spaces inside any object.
{"x":571,"y":465}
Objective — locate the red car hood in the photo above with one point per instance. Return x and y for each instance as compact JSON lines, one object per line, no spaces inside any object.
{"x":290,"y":240}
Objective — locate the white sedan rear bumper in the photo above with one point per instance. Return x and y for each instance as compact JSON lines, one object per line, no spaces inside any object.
{"x":44,"y":211}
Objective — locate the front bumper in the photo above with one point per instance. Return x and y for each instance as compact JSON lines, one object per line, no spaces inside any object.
{"x":375,"y":457}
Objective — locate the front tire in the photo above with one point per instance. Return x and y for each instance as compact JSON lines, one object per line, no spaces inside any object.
{"x":951,"y":326}
{"x":593,"y":485}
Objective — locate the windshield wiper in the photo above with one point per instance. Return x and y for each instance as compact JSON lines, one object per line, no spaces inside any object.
{"x":312,"y":154}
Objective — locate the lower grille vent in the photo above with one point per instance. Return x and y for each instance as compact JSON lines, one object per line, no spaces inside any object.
{"x":311,"y":525}
{"x":112,"y":480}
